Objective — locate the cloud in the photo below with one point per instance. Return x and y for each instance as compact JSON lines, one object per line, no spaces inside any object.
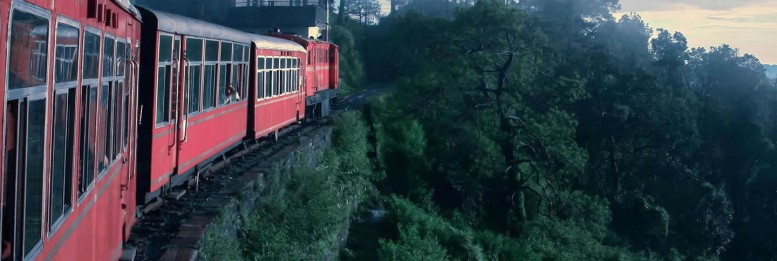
{"x":748,"y":25}
{"x":770,"y":18}
{"x":660,"y":5}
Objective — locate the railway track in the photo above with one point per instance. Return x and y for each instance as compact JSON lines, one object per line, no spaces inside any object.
{"x":158,"y":228}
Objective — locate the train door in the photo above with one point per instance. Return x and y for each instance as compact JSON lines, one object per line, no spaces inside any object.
{"x":124,"y":112}
{"x":180,"y":98}
{"x":131,"y":98}
{"x":167,"y":111}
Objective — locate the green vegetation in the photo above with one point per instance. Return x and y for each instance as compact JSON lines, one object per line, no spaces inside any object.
{"x":545,"y":130}
{"x":303,"y":207}
{"x":563,"y":133}
{"x":351,"y":65}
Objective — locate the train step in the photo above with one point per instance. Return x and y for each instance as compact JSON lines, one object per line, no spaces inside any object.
{"x":153,"y":206}
{"x":176,"y":194}
{"x":180,"y":254}
{"x":128,"y":254}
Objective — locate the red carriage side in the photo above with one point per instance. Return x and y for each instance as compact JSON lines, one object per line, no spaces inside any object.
{"x":278,"y":98}
{"x":68,"y":128}
{"x":321,"y":73}
{"x":192,"y":118}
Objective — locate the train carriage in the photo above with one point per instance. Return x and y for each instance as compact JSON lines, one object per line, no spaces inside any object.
{"x":83,"y":113}
{"x":191,"y":117}
{"x":197,"y":84}
{"x":69,"y":113}
{"x":278,"y":97}
{"x":322,"y":73}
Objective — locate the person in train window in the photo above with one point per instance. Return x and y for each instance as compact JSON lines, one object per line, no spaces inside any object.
{"x":231,"y":93}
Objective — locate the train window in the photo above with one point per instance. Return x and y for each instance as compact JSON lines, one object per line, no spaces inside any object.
{"x":33,"y":182}
{"x":259,"y":85}
{"x":66,"y":56}
{"x":121,"y":50}
{"x":266,"y":83}
{"x":278,"y":76}
{"x":260,"y":78}
{"x":25,"y":126}
{"x":117,"y":122}
{"x":225,"y":70}
{"x":235,"y":72}
{"x":291,"y":74}
{"x":277,"y":83}
{"x":282,"y":81}
{"x":165,"y":48}
{"x":162,"y":95}
{"x":193,"y":88}
{"x":290,"y":81}
{"x":24,"y":174}
{"x":194,"y":50}
{"x":245,"y":54}
{"x":238,"y":53}
{"x":108,"y":56}
{"x":103,"y":139}
{"x":269,"y":77}
{"x":61,"y":175}
{"x":209,"y":88}
{"x":237,"y":69}
{"x":212,"y":51}
{"x":290,"y":84}
{"x":29,"y":40}
{"x":86,"y":147}
{"x":287,"y":76}
{"x":194,"y":81}
{"x":91,"y":55}
{"x":226,"y":52}
{"x":163,"y":79}
{"x":223,"y":78}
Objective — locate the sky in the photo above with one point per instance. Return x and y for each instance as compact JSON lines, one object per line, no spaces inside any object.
{"x":750,"y":25}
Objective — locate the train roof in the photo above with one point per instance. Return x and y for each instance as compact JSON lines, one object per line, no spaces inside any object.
{"x":300,"y":40}
{"x":127,"y":6}
{"x":174,"y":23}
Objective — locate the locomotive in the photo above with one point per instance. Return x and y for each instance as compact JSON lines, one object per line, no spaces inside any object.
{"x":109,"y":106}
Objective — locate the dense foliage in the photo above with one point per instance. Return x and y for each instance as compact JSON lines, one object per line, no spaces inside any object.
{"x":550,"y":130}
{"x":304,"y":206}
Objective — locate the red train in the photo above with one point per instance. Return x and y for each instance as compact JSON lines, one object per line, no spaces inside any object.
{"x":95,"y":128}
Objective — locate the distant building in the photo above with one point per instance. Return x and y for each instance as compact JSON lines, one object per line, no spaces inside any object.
{"x":307,"y":18}
{"x":214,"y":11}
{"x":300,"y":17}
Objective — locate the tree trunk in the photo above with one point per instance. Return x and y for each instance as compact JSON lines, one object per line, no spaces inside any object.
{"x":341,"y":13}
{"x":614,"y":172}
